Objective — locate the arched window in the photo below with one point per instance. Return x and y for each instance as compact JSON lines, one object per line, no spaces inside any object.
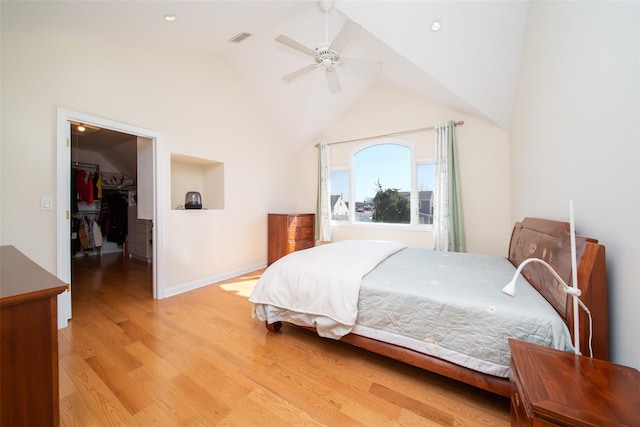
{"x":384,"y":184}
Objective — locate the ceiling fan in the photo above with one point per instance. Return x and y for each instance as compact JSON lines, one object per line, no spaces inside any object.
{"x":327,"y":55}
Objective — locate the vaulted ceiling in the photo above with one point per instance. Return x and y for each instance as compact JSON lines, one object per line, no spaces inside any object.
{"x":470,"y":64}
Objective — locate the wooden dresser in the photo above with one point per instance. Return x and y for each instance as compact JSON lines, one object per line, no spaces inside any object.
{"x":289,"y":233}
{"x":29,"y":350}
{"x":558,"y":388}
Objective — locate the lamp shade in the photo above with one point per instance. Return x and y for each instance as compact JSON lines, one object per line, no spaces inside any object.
{"x":510,"y":289}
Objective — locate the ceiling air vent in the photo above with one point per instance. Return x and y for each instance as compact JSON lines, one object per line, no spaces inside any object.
{"x":239,"y":37}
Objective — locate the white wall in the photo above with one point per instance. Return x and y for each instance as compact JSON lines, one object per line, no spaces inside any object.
{"x":94,"y":157}
{"x":483,"y":151}
{"x":575,"y":135}
{"x":194,"y":101}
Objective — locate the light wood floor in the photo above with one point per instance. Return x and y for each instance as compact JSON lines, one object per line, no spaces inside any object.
{"x":200,"y":359}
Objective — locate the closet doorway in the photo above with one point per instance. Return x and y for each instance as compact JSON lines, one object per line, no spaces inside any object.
{"x":126,"y":158}
{"x":104,"y":208}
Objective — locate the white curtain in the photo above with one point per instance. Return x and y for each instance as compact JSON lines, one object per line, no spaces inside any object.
{"x":448,"y":231}
{"x":323,"y":210}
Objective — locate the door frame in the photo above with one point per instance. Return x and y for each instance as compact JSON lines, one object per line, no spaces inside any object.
{"x":63,"y":202}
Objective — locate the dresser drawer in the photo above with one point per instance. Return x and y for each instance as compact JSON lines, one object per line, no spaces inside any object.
{"x":518,"y":412}
{"x":297,"y":245}
{"x":307,"y":220}
{"x":138,"y":237}
{"x":300,"y":233}
{"x":140,"y":252}
{"x":139,"y":225}
{"x":139,"y":245}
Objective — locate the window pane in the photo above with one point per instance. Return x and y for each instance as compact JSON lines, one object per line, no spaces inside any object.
{"x":382,"y":170}
{"x":425,"y":193}
{"x":340,"y":195}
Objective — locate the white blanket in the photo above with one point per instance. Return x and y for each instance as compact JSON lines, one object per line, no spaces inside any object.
{"x":324,"y":280}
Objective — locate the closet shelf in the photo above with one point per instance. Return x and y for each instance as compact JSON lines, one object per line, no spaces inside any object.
{"x":117,"y":181}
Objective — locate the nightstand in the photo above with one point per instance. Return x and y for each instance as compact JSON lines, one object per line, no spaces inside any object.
{"x":558,"y":388}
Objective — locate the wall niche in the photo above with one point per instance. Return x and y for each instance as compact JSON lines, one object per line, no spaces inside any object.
{"x":197,"y":174}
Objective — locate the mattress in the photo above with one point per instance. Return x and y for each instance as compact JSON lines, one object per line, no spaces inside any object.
{"x":450,"y":305}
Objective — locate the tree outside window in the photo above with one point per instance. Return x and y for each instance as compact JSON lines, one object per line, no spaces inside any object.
{"x":391,"y":206}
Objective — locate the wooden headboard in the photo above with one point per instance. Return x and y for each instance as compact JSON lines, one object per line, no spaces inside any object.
{"x":551,"y":242}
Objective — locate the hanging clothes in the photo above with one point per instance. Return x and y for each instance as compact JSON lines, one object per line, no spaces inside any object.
{"x":75,"y":240}
{"x":84,"y":186}
{"x":91,"y":189}
{"x":113,"y":217}
{"x":82,"y":234}
{"x":97,"y":234}
{"x":89,"y":233}
{"x":98,"y":185}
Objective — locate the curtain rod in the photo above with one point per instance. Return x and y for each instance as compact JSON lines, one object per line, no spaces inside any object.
{"x":402,"y":132}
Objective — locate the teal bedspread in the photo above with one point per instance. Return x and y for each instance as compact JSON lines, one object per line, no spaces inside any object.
{"x":450,"y":305}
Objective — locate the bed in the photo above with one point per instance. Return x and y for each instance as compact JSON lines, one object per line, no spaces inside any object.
{"x":442,"y":311}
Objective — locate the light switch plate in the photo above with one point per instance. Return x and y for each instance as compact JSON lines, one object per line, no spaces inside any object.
{"x":46,"y":203}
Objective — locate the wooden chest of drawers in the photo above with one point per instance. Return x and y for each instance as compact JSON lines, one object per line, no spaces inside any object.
{"x":289,"y":233}
{"x":29,"y":384}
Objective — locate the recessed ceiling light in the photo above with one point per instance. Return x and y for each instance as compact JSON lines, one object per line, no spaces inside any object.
{"x":436,"y":24}
{"x":169,"y":18}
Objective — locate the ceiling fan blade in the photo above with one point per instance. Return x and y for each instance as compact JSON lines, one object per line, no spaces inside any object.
{"x":288,"y":41}
{"x":332,"y":80}
{"x":358,"y":61}
{"x":368,"y":65}
{"x":346,"y":33}
{"x":287,"y":78}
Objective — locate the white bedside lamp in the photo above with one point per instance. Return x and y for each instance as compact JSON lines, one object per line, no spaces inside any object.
{"x":510,"y":289}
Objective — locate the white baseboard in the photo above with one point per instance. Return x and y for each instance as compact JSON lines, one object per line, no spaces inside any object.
{"x":186,"y":287}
